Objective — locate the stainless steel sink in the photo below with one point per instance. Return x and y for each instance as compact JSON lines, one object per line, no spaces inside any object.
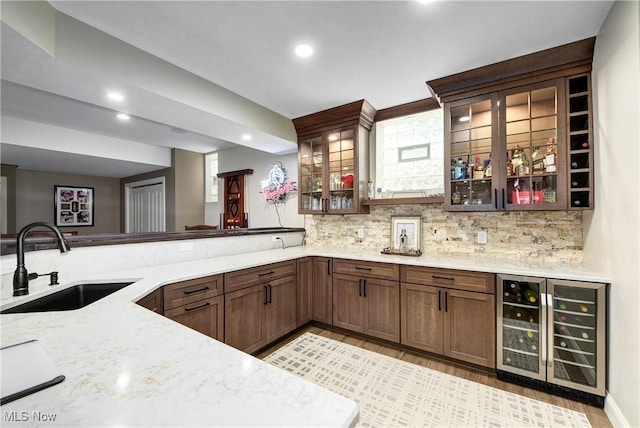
{"x":75,"y":297}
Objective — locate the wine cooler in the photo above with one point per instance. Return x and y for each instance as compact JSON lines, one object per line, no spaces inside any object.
{"x":551,"y":336}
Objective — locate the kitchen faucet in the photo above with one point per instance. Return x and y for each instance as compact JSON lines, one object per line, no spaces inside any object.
{"x":20,"y":276}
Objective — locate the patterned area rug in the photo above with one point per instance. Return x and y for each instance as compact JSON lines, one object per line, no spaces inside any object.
{"x":394,"y":393}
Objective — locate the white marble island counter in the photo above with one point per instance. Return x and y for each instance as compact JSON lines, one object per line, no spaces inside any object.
{"x":127,"y":366}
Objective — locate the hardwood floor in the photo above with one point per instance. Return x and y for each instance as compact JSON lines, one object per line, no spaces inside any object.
{"x":597,"y":417}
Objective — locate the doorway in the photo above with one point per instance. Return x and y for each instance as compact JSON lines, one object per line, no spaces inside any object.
{"x":145,"y":206}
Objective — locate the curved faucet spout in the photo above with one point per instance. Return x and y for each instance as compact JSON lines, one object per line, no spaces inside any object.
{"x":21,"y":276}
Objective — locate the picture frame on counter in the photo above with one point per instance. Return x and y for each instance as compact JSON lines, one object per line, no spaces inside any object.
{"x":409,"y":226}
{"x":73,"y":206}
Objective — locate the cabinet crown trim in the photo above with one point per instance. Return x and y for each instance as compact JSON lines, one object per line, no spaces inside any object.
{"x":360,"y":112}
{"x":560,"y":61}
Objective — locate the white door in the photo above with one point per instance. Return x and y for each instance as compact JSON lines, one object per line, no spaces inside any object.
{"x":145,"y":206}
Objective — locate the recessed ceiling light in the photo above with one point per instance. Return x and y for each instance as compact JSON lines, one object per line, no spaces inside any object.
{"x":304,"y":51}
{"x":246,"y":137}
{"x":463,"y":119}
{"x":123,"y":116}
{"x":115,"y":96}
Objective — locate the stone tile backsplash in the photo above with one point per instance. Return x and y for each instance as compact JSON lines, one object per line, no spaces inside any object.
{"x":551,"y":236}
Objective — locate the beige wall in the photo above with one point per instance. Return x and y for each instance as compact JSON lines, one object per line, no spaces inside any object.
{"x":189,"y":188}
{"x":34,"y":199}
{"x":612,"y":230}
{"x":9,"y":171}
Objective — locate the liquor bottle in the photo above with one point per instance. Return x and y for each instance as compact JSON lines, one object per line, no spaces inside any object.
{"x":530,"y":296}
{"x":537,"y":161}
{"x":509,"y":165}
{"x":584,"y":308}
{"x":488,"y":169}
{"x":478,"y":171}
{"x":460,"y":170}
{"x":550,"y":163}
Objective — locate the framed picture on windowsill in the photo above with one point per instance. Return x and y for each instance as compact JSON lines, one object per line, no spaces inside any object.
{"x":73,"y":206}
{"x":407,"y":229}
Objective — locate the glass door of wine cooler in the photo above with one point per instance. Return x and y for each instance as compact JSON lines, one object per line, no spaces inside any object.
{"x":576,"y":328}
{"x":521,"y":317}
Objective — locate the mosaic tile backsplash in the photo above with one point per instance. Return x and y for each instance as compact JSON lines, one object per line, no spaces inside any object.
{"x":550,"y":236}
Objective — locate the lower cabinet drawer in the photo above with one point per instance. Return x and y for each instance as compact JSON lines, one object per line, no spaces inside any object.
{"x":205,"y":316}
{"x":244,"y":278}
{"x":190,"y":291}
{"x":449,"y":278}
{"x":368,"y":269}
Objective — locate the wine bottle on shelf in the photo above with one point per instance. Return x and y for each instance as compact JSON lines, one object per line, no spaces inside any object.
{"x":530,"y":296}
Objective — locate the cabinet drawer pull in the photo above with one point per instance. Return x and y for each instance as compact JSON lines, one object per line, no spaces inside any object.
{"x":363,"y":268}
{"x":442,"y":278}
{"x":204,"y":305}
{"x":266,"y":273}
{"x":199,"y":290}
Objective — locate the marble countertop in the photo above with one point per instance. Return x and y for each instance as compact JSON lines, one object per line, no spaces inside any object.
{"x":127,"y":366}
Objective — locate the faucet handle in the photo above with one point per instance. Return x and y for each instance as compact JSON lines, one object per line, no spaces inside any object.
{"x":32,"y":276}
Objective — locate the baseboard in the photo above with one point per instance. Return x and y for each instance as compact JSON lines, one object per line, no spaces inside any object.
{"x":614,"y":414}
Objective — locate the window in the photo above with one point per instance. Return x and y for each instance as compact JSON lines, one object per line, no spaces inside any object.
{"x":410,"y":155}
{"x":211,"y":177}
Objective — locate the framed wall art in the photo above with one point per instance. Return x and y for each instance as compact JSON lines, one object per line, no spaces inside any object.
{"x":73,"y":206}
{"x":406,"y":233}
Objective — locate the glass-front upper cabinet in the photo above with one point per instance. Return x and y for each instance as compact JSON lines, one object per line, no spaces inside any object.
{"x":332,"y":159}
{"x":506,"y":150}
{"x":328,"y":173}
{"x":534,"y":150}
{"x":471,"y":130}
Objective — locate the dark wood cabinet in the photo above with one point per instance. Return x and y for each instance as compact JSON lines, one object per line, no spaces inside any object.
{"x":322,"y":290}
{"x":153,"y":301}
{"x":440,"y":314}
{"x":333,"y":159}
{"x":519,"y":134}
{"x":364,"y":302}
{"x":304,"y":291}
{"x":197,"y":304}
{"x":260,"y":305}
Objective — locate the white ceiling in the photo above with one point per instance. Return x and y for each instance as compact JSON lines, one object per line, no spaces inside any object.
{"x":382,"y":51}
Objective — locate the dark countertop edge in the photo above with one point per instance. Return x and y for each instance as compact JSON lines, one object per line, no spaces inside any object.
{"x":8,"y":246}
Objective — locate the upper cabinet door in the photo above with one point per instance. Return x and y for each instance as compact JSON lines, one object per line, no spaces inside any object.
{"x":534,"y":146}
{"x":311,"y":174}
{"x":472,"y":152}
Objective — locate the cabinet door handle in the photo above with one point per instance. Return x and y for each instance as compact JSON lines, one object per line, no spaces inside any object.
{"x":364,"y":287}
{"x":442,"y":278}
{"x":199,"y":290}
{"x":266,"y":295}
{"x":329,"y":267}
{"x":324,"y":205}
{"x":266,"y":273}
{"x":204,"y":305}
{"x":446,"y":301}
{"x":439,"y":300}
{"x":360,"y":287}
{"x":270,"y":293}
{"x":495,"y":198}
{"x":504,"y":197}
{"x":363,"y":268}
